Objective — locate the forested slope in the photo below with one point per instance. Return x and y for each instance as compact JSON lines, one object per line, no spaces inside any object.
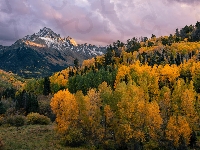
{"x":143,"y":94}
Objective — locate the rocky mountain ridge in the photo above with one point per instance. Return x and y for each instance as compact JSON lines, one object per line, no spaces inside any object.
{"x":43,"y":53}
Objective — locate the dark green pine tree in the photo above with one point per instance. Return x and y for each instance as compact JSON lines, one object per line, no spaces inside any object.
{"x":2,"y":108}
{"x":32,"y":104}
{"x":76,"y":63}
{"x":47,"y":87}
{"x":196,"y":32}
{"x":27,"y":102}
{"x":20,"y":100}
{"x":109,"y":56}
{"x":133,"y":45}
{"x":9,"y":92}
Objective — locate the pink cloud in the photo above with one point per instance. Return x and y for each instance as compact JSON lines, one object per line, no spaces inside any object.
{"x":95,"y":21}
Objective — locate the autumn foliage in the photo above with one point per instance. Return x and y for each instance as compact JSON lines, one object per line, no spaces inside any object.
{"x":143,"y":94}
{"x":148,"y":105}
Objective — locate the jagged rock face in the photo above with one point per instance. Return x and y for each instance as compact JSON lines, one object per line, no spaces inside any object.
{"x":43,"y":53}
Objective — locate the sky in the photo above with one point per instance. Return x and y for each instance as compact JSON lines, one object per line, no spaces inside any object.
{"x":99,"y":22}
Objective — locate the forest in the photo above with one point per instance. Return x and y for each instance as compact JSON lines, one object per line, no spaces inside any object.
{"x":142,"y":94}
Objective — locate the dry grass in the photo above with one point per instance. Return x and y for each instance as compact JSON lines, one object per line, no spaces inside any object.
{"x":31,"y":137}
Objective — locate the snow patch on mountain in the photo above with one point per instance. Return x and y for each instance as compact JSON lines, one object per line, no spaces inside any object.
{"x":54,"y":41}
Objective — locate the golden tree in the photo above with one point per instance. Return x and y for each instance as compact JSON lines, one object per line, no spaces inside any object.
{"x":65,"y":107}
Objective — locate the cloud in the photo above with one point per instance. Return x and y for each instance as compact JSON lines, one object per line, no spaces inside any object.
{"x":95,"y":21}
{"x":185,"y":1}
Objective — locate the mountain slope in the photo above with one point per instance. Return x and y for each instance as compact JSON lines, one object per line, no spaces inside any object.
{"x":43,"y":53}
{"x":10,"y":80}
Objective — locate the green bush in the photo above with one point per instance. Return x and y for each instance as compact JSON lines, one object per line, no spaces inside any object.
{"x":74,"y":138}
{"x":16,"y":120}
{"x":36,"y":118}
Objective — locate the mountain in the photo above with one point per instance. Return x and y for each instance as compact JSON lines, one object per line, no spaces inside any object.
{"x":43,"y":53}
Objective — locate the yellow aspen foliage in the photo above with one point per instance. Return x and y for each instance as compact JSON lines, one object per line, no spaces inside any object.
{"x":147,"y":77}
{"x":165,"y":103}
{"x":179,"y":87}
{"x":80,"y":99}
{"x":129,"y":58}
{"x":93,"y":112}
{"x":10,"y":79}
{"x":185,"y":47}
{"x":59,"y":79}
{"x":100,"y":60}
{"x":108,"y":113}
{"x":122,"y":74}
{"x":65,"y":107}
{"x":18,"y":85}
{"x":168,"y":73}
{"x":127,"y":106}
{"x":104,"y":89}
{"x":192,"y":67}
{"x":188,"y":99}
{"x":187,"y":69}
{"x":88,"y":63}
{"x":150,"y":49}
{"x":197,"y":105}
{"x":178,"y":127}
{"x":105,"y":92}
{"x":183,"y":102}
{"x":137,"y":117}
{"x":153,"y":119}
{"x":109,"y":107}
{"x":143,"y":75}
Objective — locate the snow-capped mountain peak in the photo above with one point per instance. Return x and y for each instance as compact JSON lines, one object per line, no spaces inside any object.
{"x":45,"y":52}
{"x":49,"y":39}
{"x":47,"y":32}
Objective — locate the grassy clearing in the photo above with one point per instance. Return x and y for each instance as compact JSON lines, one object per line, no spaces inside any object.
{"x":32,"y":137}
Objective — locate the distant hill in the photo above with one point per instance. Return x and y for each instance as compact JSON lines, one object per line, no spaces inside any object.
{"x":43,"y":53}
{"x":10,"y":80}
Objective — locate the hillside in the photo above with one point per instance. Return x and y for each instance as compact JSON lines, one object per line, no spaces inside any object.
{"x":10,"y":80}
{"x":142,"y":94}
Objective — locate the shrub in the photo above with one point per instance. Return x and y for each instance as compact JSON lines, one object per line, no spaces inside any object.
{"x":36,"y":118}
{"x":74,"y":137}
{"x":10,"y":111}
{"x":45,"y":109}
{"x":16,"y":120}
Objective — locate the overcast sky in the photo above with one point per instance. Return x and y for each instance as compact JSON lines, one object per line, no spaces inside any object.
{"x":99,"y":22}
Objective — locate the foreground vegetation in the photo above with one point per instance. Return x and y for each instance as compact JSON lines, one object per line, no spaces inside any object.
{"x":31,"y":137}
